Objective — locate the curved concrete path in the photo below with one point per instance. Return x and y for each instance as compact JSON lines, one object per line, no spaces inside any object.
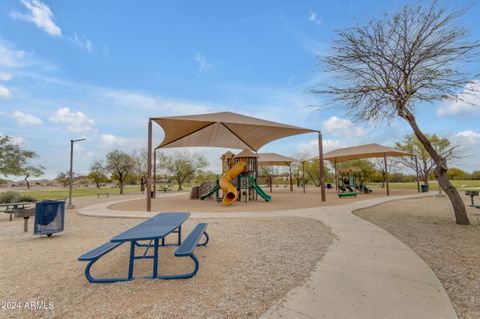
{"x":366,"y":272}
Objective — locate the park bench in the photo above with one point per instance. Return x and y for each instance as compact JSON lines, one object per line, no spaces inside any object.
{"x":347,"y":194}
{"x":152,"y":230}
{"x":104,"y":194}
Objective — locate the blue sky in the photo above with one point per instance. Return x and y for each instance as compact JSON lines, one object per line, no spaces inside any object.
{"x":99,"y":69}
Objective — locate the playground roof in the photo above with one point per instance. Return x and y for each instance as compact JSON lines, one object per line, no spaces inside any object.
{"x":246,"y":153}
{"x":223,"y":129}
{"x":274,"y":159}
{"x":363,"y":151}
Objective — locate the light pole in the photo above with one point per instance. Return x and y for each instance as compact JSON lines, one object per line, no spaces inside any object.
{"x":70,"y":205}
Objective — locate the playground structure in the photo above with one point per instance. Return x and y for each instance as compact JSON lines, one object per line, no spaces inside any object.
{"x":239,"y":179}
{"x":351,"y":180}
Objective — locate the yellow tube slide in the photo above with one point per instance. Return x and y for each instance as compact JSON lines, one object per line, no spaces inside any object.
{"x":230,"y":191}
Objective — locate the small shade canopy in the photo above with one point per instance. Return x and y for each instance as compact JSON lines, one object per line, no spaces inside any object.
{"x":223,"y":129}
{"x":246,"y":153}
{"x":274,"y":159}
{"x":363,"y":151}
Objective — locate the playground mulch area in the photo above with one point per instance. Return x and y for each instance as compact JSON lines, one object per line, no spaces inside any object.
{"x":282,"y":199}
{"x":248,"y":265}
{"x":427,"y":225}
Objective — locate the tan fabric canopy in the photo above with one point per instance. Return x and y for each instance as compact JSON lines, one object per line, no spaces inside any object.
{"x":274,"y":159}
{"x":223,"y":129}
{"x":245,"y":153}
{"x":362,"y":151}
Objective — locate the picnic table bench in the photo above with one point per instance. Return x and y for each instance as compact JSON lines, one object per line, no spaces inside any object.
{"x":12,"y":208}
{"x":347,"y":194}
{"x":152,"y":230}
{"x":105,"y":194}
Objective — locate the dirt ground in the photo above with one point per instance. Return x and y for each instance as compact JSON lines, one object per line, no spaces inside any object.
{"x":248,"y":264}
{"x":282,"y":199}
{"x":427,"y":225}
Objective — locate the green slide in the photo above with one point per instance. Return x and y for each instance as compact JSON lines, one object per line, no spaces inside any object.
{"x":210,"y":192}
{"x":260,"y":192}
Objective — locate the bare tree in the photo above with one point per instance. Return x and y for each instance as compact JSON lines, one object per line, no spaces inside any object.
{"x":385,"y":67}
{"x":182,"y":166}
{"x":426,"y":164}
{"x":120,"y":165}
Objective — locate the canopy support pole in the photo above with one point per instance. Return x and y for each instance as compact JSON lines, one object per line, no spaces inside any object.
{"x":149,"y":167}
{"x":155,"y":173}
{"x":416,"y":171}
{"x":336,"y":177}
{"x":303,"y":176}
{"x":386,"y":172}
{"x":269,"y":178}
{"x":291,"y":179}
{"x":322,"y":167}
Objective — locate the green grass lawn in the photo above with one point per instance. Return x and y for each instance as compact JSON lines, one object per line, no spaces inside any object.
{"x":459,"y":184}
{"x":84,"y":191}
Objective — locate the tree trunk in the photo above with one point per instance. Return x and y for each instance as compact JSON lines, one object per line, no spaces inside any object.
{"x":440,"y":171}
{"x":26,"y":181}
{"x":425,"y":179}
{"x":142,"y":185}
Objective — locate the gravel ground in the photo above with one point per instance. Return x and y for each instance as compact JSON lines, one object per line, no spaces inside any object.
{"x":248,"y":265}
{"x":282,"y":199}
{"x":427,"y":225}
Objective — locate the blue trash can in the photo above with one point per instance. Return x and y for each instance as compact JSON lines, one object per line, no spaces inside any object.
{"x":49,"y":217}
{"x":424,"y":188}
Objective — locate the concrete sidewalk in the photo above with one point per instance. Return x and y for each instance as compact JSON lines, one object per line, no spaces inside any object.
{"x":366,"y":272}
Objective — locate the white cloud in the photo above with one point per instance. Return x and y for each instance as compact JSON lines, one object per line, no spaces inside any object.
{"x":11,"y":58}
{"x":110,"y":140}
{"x":469,"y":137}
{"x":468,"y":101}
{"x":314,"y":18}
{"x":203,"y":64}
{"x":5,"y":93}
{"x":39,"y":14}
{"x":311,"y":147}
{"x":82,"y":42}
{"x":26,"y":119}
{"x":75,"y":121}
{"x":342,"y":127}
{"x":4,"y":76}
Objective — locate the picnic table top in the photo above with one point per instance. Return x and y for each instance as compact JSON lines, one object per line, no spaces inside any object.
{"x":16,"y":204}
{"x":156,"y":227}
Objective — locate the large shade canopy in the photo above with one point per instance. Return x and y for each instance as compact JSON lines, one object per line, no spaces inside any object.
{"x":223,"y":129}
{"x":363,"y":151}
{"x":274,"y":159}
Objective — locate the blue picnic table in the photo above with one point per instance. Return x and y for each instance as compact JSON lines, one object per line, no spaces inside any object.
{"x":151,"y":234}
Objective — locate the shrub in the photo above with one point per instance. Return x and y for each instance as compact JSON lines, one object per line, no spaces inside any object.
{"x":15,"y":197}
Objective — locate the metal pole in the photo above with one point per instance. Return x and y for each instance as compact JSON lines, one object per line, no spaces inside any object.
{"x":70,"y":182}
{"x":322,"y":168}
{"x":155,"y":173}
{"x":291,"y":180}
{"x":336,"y":177}
{"x":386,"y":172}
{"x":303,"y":176}
{"x":416,"y":171}
{"x":149,"y":167}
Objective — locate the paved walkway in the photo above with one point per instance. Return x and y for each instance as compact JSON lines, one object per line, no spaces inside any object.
{"x":366,"y":272}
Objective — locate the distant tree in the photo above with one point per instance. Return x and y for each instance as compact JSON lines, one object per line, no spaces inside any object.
{"x":31,"y":170}
{"x":312,"y":173}
{"x":120,"y":165}
{"x":64,"y":179}
{"x":411,"y":144}
{"x":456,"y":173}
{"x":16,"y":161}
{"x":141,"y":167}
{"x":475,"y":175}
{"x":97,"y":174}
{"x":182,"y":166}
{"x":382,"y":69}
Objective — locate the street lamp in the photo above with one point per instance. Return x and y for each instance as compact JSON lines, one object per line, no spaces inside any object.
{"x":70,"y":205}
